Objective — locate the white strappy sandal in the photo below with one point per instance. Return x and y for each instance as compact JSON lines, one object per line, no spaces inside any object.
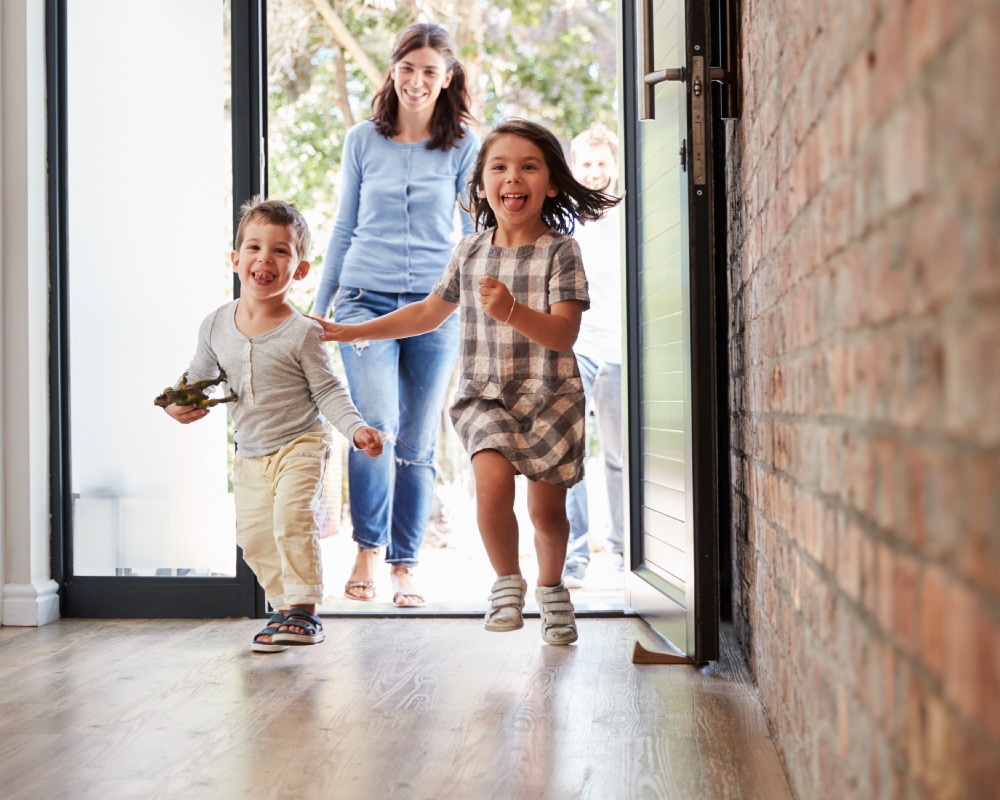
{"x":556,"y":610}
{"x":506,"y":604}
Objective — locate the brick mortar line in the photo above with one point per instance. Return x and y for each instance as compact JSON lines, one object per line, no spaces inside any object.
{"x":972,"y":727}
{"x":858,"y":241}
{"x":929,"y":73}
{"x":872,"y":141}
{"x":830,"y":263}
{"x":865,"y":617}
{"x":985,"y":156}
{"x":958,"y":307}
{"x":932,"y":683}
{"x":987,"y":601}
{"x":876,"y":429}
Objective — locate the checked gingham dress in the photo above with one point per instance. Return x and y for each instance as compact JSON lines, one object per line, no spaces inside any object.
{"x":516,"y":396}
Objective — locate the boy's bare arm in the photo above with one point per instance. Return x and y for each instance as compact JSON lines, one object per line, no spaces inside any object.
{"x":556,"y":330}
{"x":412,"y":320}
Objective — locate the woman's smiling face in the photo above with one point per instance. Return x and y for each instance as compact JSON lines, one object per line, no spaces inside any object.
{"x":516,"y":181}
{"x":419,"y":77}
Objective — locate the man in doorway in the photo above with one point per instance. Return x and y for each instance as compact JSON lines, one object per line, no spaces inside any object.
{"x":594,"y":158}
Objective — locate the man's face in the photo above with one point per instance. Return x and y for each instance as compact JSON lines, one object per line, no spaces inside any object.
{"x":595,"y":167}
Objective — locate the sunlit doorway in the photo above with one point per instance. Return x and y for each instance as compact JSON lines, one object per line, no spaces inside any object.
{"x":142,"y":519}
{"x":556,"y":64}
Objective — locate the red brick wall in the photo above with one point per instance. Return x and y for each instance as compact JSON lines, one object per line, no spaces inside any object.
{"x":865,"y":350}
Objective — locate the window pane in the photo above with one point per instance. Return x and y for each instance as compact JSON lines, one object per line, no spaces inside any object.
{"x":148,"y":201}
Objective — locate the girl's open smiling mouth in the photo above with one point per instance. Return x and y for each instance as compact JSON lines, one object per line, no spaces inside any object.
{"x":513,"y":201}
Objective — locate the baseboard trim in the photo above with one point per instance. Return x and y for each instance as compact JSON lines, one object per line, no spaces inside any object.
{"x":30,"y":605}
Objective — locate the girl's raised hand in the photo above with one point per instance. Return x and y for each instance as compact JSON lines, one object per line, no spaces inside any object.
{"x":369,"y":440}
{"x":333,"y":331}
{"x":495,"y":298}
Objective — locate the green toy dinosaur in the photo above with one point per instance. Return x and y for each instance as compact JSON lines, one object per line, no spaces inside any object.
{"x":194,"y":394}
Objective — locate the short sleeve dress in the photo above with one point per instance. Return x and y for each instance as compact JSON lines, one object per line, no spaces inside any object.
{"x":516,"y":396}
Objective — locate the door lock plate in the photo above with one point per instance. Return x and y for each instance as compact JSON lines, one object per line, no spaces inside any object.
{"x":698,"y":167}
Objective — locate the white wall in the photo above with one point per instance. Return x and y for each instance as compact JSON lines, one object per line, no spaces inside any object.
{"x":29,"y":594}
{"x":3,"y":527}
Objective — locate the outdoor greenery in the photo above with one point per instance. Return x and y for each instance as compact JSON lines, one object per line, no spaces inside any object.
{"x":551,"y":62}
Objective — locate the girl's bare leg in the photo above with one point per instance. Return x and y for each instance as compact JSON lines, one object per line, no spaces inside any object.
{"x":495,"y":510}
{"x":547,"y":508}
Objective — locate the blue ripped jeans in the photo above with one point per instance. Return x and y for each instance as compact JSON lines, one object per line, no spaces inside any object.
{"x":399,"y":386}
{"x":602,"y":386}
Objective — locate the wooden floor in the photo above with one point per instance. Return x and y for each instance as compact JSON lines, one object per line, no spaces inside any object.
{"x":394,"y":708}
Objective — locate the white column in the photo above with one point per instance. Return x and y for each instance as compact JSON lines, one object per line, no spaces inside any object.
{"x":29,"y":594}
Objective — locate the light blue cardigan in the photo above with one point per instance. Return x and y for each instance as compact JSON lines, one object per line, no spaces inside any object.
{"x":396,"y":215}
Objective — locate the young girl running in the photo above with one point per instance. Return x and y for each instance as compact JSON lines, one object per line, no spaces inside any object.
{"x":520,"y":404}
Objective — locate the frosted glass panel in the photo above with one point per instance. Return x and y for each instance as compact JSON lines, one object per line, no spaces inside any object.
{"x":148,"y":201}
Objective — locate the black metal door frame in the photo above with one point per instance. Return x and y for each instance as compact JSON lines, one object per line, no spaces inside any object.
{"x":124,"y":596}
{"x":709,"y":406}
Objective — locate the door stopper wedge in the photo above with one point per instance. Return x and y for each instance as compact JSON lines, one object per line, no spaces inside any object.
{"x":643,"y":656}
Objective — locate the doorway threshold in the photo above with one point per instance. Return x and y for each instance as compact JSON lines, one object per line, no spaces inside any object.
{"x":375,"y":610}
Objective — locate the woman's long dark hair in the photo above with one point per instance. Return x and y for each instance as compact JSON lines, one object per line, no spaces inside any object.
{"x":452,"y":106}
{"x":574,"y":202}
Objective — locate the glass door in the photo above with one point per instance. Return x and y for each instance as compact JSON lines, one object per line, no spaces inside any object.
{"x":670,"y":387}
{"x":151,"y":94}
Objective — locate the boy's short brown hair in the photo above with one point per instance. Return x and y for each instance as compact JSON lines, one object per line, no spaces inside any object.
{"x":275,"y":212}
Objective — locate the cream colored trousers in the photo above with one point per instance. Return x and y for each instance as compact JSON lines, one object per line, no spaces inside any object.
{"x":276,"y":500}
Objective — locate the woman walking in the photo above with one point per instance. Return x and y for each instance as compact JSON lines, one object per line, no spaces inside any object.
{"x":402,"y":173}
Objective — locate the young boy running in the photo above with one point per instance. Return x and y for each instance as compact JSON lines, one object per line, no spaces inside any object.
{"x":276,"y":363}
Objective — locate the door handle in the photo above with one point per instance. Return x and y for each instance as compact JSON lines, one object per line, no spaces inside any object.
{"x":644,"y":57}
{"x":662,"y":75}
{"x":644,"y":54}
{"x":699,"y":75}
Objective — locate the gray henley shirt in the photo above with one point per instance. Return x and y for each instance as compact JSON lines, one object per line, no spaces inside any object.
{"x":283,"y":379}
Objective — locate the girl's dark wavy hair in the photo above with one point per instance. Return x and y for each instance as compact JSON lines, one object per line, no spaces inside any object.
{"x":452,"y":106}
{"x":574,"y":202}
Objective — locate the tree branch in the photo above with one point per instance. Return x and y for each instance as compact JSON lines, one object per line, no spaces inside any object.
{"x":347,"y":41}
{"x":343,"y":100}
